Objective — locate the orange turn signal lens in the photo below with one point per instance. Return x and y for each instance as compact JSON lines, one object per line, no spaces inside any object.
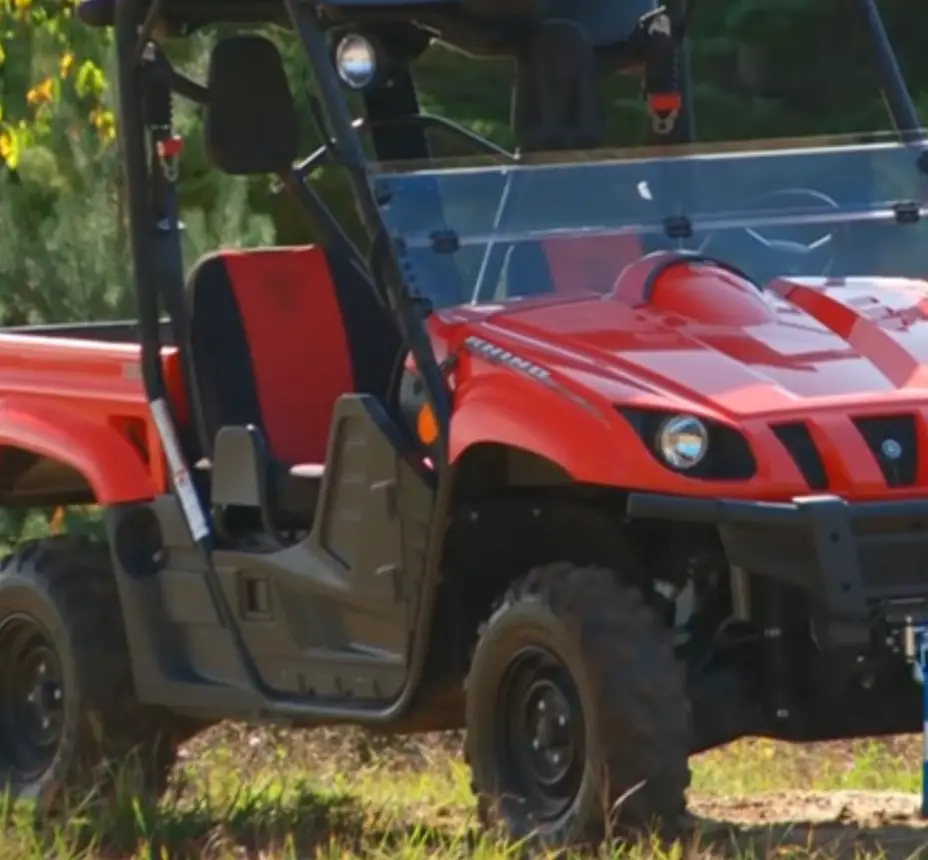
{"x":426,"y":425}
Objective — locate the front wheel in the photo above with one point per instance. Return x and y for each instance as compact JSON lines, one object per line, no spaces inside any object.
{"x":577,"y":715}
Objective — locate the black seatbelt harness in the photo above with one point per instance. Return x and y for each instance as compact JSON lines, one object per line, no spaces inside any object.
{"x":166,"y":149}
{"x":156,"y":86}
{"x":658,"y":43}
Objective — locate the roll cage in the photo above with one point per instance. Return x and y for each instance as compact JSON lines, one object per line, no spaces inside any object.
{"x":550,"y":113}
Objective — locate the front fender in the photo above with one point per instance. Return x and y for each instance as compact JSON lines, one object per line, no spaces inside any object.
{"x":112,"y":467}
{"x":520,"y":412}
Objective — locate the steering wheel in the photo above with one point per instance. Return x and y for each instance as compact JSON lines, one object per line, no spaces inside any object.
{"x":787,"y":256}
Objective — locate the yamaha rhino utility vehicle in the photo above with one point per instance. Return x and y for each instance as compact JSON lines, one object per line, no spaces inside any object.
{"x":606,"y":457}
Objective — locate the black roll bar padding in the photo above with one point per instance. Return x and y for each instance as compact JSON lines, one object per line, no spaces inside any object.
{"x":388,"y":278}
{"x":135,"y":168}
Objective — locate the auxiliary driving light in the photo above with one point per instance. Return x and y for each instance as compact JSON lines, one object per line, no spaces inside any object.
{"x":683,"y":441}
{"x":356,"y":61}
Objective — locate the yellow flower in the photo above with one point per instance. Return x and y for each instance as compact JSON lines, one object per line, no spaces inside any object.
{"x":65,"y":63}
{"x":9,"y":150}
{"x":41,"y":93}
{"x":104,"y":123}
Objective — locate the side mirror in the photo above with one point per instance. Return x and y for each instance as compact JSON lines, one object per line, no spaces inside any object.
{"x":251,"y":124}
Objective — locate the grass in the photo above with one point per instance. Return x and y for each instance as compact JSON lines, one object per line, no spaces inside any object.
{"x":258,"y":793}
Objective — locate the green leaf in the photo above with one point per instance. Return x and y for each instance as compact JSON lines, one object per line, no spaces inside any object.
{"x":90,"y":80}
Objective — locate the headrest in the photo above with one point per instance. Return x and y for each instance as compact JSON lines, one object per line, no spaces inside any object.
{"x":251,"y":124}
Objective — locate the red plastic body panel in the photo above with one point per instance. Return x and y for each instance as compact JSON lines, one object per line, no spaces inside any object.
{"x":697,"y":339}
{"x":547,"y":375}
{"x":82,"y":402}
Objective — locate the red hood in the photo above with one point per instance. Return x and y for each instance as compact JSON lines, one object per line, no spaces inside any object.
{"x":704,"y":335}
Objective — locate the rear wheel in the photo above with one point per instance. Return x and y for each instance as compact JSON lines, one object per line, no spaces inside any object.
{"x":577,"y":714}
{"x":70,"y":726}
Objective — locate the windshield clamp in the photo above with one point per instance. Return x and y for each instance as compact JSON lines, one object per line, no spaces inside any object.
{"x":678,"y":227}
{"x":907,"y":212}
{"x":445,"y":241}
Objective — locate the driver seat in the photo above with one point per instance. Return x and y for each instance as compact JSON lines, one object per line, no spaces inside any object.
{"x":276,"y":336}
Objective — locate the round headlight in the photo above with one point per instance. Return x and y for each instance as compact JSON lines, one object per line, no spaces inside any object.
{"x":683,"y":441}
{"x":356,"y":61}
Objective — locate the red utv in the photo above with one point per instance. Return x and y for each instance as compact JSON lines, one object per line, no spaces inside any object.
{"x":607,"y":457}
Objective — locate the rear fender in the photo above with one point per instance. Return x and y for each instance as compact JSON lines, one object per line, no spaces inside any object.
{"x":112,"y":467}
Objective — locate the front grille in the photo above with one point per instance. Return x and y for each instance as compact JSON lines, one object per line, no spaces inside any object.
{"x":893,"y":554}
{"x":893,"y":439}
{"x":797,"y":440}
{"x":892,"y":551}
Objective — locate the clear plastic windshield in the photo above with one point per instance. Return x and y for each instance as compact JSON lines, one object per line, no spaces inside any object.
{"x":835,"y":208}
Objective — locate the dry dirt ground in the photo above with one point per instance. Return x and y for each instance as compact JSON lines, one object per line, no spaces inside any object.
{"x":835,"y":800}
{"x":836,"y":824}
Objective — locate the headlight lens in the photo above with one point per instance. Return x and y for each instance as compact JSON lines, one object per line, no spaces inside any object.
{"x":683,"y":441}
{"x":356,"y":61}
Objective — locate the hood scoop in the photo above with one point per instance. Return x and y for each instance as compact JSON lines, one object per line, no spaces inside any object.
{"x":695,"y":288}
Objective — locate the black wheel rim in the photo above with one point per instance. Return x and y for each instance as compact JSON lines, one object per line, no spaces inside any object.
{"x":541,"y":735}
{"x":31,"y":698}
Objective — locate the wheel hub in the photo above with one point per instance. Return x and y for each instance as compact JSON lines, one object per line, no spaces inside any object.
{"x":31,"y":698}
{"x":549,"y":725}
{"x":542,"y":737}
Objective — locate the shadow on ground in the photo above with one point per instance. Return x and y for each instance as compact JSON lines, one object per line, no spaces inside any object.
{"x":838,"y":825}
{"x":254,"y":826}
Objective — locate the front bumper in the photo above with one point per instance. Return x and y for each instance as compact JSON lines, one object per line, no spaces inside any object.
{"x":856,"y":559}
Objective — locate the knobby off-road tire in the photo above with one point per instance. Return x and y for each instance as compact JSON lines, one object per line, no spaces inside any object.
{"x":103,"y":741}
{"x":617,"y":662}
